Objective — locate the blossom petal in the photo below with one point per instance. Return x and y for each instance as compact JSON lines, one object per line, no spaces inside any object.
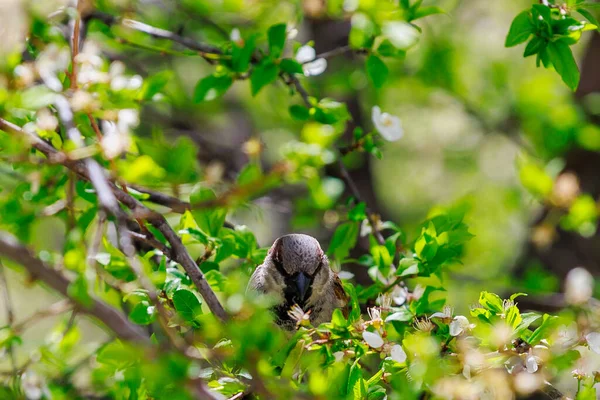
{"x":314,"y":68}
{"x":593,"y":340}
{"x":389,"y":126}
{"x":531,"y":364}
{"x":398,"y":354}
{"x":458,"y":325}
{"x":373,"y":339}
{"x":305,"y":54}
{"x":579,"y":286}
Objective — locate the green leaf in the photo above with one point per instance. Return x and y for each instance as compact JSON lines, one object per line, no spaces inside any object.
{"x":142,"y":313}
{"x":491,"y":301}
{"x":542,"y":11}
{"x":154,"y":84}
{"x":425,"y":11}
{"x":262,"y":75}
{"x":356,"y":382}
{"x":358,"y":212}
{"x":548,"y":323}
{"x":212,"y":87}
{"x":343,"y":240}
{"x":513,"y":316}
{"x":276,"y":35}
{"x":526,"y":320}
{"x":251,"y":173}
{"x":564,"y":63}
{"x":240,"y":56}
{"x":299,"y":113}
{"x":426,"y":247}
{"x":338,"y":320}
{"x":187,"y":304}
{"x":408,"y":266}
{"x":534,"y":46}
{"x":291,"y":66}
{"x":376,"y":70}
{"x":520,"y":29}
{"x":209,"y":220}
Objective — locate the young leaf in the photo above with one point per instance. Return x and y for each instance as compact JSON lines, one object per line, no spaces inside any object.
{"x":548,"y":323}
{"x":276,"y":35}
{"x":291,"y":66}
{"x":209,"y":220}
{"x":534,"y":46}
{"x":187,"y":304}
{"x":262,"y":75}
{"x":343,"y":240}
{"x":564,"y":63}
{"x":299,"y":113}
{"x":240,"y":56}
{"x":142,"y":313}
{"x":154,"y":84}
{"x":491,"y":301}
{"x":212,"y":87}
{"x":520,"y":29}
{"x":377,"y":70}
{"x":425,"y":11}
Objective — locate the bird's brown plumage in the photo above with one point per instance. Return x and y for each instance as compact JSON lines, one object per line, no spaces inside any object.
{"x":296,"y":271}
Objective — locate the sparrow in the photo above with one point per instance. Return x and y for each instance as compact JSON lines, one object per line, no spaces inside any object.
{"x":296,"y":272}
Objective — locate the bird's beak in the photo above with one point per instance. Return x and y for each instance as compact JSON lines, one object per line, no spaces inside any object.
{"x":302,"y":284}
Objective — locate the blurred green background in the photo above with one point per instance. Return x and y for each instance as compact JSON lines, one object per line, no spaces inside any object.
{"x":483,"y":128}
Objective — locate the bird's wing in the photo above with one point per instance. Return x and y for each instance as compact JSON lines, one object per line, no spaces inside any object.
{"x":341,"y":296}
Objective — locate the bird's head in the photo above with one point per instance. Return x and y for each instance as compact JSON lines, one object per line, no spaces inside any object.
{"x":298,"y":263}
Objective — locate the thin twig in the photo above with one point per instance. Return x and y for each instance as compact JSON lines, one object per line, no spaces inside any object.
{"x":205,"y":50}
{"x":356,"y":193}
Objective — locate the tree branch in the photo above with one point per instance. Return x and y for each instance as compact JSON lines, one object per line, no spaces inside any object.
{"x":113,"y":319}
{"x":179,"y":252}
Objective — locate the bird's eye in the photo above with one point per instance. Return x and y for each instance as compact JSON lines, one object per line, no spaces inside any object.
{"x":317,"y":269}
{"x":279,"y":267}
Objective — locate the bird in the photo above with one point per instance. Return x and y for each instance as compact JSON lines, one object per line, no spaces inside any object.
{"x":296,"y":272}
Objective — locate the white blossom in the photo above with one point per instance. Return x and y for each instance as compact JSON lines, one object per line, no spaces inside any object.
{"x":593,"y":340}
{"x":90,"y":63}
{"x":50,"y":61}
{"x":128,"y":118}
{"x":292,"y":32}
{"x":579,"y":286}
{"x":305,"y":54}
{"x":398,"y":354}
{"x":339,"y":356}
{"x":373,"y":339}
{"x":445,"y":314}
{"x":399,"y":295}
{"x":117,"y":138}
{"x":34,"y":386}
{"x":389,"y":126}
{"x":235,"y":35}
{"x":531,"y":364}
{"x":567,"y":335}
{"x":402,"y":34}
{"x":311,"y":66}
{"x":459,"y":324}
{"x":46,"y":120}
